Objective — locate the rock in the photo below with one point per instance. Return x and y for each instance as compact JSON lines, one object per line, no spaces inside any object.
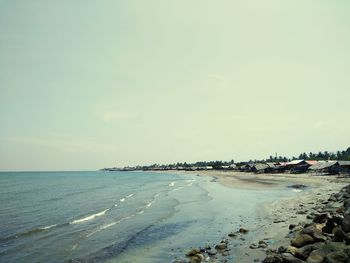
{"x":328,"y":228}
{"x":292,"y":250}
{"x":314,"y":232}
{"x":301,"y":212}
{"x":337,"y":219}
{"x":297,"y":186}
{"x":197,"y":258}
{"x":207,"y":247}
{"x":320,"y":218}
{"x":318,"y":255}
{"x":273,"y":259}
{"x":253,"y":246}
{"x":302,"y":240}
{"x":262,"y":244}
{"x":336,"y":257}
{"x":279,"y":221}
{"x":291,"y":226}
{"x":232,"y":234}
{"x":192,"y":252}
{"x":347,"y":203}
{"x":315,"y":257}
{"x":221,"y":246}
{"x":332,"y":198}
{"x":288,"y":258}
{"x":243,"y":230}
{"x":339,"y":235}
{"x":211,"y":252}
{"x":305,"y":251}
{"x":346,"y":224}
{"x":226,"y":253}
{"x":281,"y":249}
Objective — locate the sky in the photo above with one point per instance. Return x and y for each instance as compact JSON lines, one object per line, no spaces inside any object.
{"x":92,"y":84}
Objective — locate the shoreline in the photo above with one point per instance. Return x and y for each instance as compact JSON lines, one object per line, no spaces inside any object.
{"x":280,"y":214}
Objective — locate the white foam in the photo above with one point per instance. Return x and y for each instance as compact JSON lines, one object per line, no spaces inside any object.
{"x":47,"y":227}
{"x":297,"y":190}
{"x":130,"y":195}
{"x":75,"y":246}
{"x":109,"y":225}
{"x":179,"y":188}
{"x":90,"y":217}
{"x":172,"y":184}
{"x":122,"y":200}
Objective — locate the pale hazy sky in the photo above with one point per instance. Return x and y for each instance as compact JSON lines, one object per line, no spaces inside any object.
{"x":90,"y":84}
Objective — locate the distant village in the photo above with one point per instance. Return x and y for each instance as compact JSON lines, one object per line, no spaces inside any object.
{"x":322,"y":164}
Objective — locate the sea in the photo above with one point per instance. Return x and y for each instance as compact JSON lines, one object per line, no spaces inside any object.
{"x":102,"y":216}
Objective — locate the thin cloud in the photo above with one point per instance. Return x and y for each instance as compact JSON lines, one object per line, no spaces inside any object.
{"x":67,"y":144}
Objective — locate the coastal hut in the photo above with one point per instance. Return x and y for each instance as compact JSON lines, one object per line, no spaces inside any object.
{"x":298,"y":166}
{"x":311,"y":162}
{"x":280,"y":167}
{"x":260,"y":168}
{"x":344,"y":168}
{"x":246,"y":167}
{"x":271,"y":167}
{"x":232,"y":166}
{"x":325,"y":168}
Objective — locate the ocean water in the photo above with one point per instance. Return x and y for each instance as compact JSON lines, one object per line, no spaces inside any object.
{"x":119,"y":216}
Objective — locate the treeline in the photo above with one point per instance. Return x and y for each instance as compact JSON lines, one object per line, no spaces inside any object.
{"x":326,"y":155}
{"x":214,"y":164}
{"x":339,"y":155}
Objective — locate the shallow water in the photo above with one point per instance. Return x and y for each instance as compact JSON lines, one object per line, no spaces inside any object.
{"x":118,"y":216}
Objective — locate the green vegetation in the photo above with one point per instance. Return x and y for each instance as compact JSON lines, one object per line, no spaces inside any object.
{"x":339,"y":155}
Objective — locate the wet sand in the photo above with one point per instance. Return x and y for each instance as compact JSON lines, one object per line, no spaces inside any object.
{"x":280,"y":213}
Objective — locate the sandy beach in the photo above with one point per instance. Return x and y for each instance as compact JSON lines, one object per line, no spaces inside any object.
{"x":280,"y":213}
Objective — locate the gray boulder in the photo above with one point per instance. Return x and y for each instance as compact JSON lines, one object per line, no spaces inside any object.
{"x":301,"y":240}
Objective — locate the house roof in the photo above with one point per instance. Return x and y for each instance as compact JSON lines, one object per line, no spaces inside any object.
{"x":295,"y":162}
{"x":323,"y":165}
{"x":344,"y":163}
{"x":261,"y":166}
{"x":271,"y":165}
{"x":311,"y":162}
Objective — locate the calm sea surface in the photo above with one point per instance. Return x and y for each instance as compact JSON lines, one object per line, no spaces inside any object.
{"x":118,"y":216}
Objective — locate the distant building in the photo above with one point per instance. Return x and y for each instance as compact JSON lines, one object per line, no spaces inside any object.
{"x":344,"y":168}
{"x":325,"y":168}
{"x":298,"y":166}
{"x":260,"y":168}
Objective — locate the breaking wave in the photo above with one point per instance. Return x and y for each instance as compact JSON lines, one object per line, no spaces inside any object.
{"x":90,"y":217}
